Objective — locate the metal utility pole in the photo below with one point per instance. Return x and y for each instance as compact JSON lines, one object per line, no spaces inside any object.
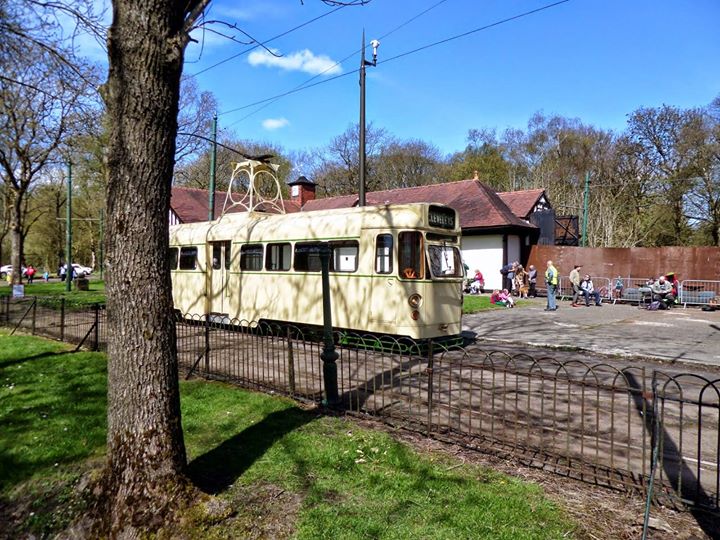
{"x":328,"y":355}
{"x":586,"y":196}
{"x":68,"y":231}
{"x":375,"y":44}
{"x":213,"y":161}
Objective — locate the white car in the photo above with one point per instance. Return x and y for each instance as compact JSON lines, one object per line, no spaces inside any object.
{"x":7,"y":269}
{"x":81,"y":271}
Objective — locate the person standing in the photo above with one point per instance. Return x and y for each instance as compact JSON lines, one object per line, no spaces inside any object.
{"x":575,"y":280}
{"x":551,"y":279}
{"x":532,"y":280}
{"x":30,"y":273}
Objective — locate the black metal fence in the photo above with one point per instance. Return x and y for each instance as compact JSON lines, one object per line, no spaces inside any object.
{"x":594,"y":422}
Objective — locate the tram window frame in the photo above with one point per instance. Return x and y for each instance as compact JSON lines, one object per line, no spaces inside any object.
{"x":306,"y":257}
{"x":344,"y":248}
{"x":410,"y":254}
{"x":173,"y":258}
{"x":384,"y":261}
{"x":228,"y":254}
{"x":188,"y":258}
{"x":282,"y":263}
{"x":435,"y":260}
{"x":251,"y":257}
{"x":216,"y":255}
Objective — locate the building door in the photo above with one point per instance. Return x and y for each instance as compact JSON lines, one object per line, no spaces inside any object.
{"x":219,"y":276}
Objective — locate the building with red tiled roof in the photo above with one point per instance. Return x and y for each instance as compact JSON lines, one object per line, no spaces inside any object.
{"x":190,"y":205}
{"x":533,"y":206}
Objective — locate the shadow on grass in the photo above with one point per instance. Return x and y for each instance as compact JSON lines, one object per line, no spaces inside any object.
{"x":218,"y":469}
{"x":24,"y":359}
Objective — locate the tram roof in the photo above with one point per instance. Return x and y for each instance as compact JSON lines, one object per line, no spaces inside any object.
{"x":320,"y":224}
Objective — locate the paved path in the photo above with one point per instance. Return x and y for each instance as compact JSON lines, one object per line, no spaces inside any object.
{"x":679,"y":336}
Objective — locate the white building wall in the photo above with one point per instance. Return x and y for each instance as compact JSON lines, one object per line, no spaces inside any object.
{"x":484,"y":253}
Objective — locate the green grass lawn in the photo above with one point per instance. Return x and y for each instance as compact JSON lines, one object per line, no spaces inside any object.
{"x":282,"y":471}
{"x":474,"y":303}
{"x":53,"y":291}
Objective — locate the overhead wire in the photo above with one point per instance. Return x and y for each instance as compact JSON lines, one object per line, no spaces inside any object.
{"x":396,"y":57}
{"x":245,"y":51}
{"x":338,"y":63}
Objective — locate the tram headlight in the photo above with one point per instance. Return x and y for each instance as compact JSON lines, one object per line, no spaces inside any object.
{"x":415,"y":301}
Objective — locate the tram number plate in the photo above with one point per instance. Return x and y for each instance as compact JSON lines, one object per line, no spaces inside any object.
{"x":441,"y":217}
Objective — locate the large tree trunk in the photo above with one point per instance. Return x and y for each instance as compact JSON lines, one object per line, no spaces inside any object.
{"x":146,"y":452}
{"x":16,"y":238}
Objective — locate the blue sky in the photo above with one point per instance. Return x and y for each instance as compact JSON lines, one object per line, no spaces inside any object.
{"x":596,"y":60}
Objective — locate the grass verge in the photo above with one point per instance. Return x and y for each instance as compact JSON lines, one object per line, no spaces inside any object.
{"x":277,"y":471}
{"x":53,"y":291}
{"x":474,"y":303}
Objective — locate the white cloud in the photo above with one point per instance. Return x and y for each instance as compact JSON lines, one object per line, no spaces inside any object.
{"x":272,"y":124}
{"x":304,"y":60}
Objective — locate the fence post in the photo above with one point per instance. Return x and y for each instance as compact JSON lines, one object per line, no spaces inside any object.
{"x":429,"y":371}
{"x":62,"y":319}
{"x":96,"y":344}
{"x":34,"y":308}
{"x":207,"y":344}
{"x":291,"y":362}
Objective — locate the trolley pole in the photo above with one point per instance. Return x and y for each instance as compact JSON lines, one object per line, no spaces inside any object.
{"x":68,"y":231}
{"x":328,"y":355}
{"x":213,"y":162}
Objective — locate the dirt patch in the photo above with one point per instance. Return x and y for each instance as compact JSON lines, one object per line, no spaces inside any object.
{"x":600,"y":513}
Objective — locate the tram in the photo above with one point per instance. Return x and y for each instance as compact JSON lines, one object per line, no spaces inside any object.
{"x":394,"y":269}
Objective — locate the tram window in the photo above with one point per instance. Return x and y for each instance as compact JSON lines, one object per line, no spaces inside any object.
{"x":445,"y":261}
{"x":344,"y":256}
{"x":383,"y":253}
{"x":173,"y":258}
{"x":251,"y":257}
{"x":410,"y":255}
{"x":307,"y":256}
{"x":216,"y":256}
{"x":188,"y":258}
{"x":278,"y":257}
{"x":228,"y":254}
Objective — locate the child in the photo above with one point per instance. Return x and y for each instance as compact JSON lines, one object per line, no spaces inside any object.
{"x":46,"y":276}
{"x":506,"y":297}
{"x":618,"y":289}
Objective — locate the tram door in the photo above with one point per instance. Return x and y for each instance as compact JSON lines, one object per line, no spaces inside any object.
{"x":220,"y":276}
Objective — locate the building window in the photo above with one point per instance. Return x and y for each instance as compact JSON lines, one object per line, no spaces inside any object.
{"x":251,"y":257}
{"x":188,"y":258}
{"x":278,"y":257}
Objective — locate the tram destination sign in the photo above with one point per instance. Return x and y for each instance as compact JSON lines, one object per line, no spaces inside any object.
{"x":439,"y":216}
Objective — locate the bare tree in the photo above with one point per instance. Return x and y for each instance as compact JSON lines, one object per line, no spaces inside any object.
{"x":42,"y":103}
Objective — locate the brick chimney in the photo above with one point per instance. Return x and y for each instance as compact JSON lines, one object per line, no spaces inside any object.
{"x":302,"y":190}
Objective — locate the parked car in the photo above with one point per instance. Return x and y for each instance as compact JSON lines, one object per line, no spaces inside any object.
{"x":81,"y":271}
{"x":7,"y":269}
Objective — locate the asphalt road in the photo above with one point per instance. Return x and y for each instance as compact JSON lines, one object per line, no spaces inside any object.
{"x":679,"y":336}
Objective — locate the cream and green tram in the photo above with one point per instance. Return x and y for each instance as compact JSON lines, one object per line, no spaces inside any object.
{"x":394,"y":269}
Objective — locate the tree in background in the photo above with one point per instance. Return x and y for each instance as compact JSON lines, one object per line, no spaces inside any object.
{"x":43,"y":102}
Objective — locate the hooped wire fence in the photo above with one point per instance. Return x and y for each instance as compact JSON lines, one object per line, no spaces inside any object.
{"x":590,"y":421}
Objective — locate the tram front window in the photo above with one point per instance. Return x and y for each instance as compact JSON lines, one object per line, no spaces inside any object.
{"x":445,"y":261}
{"x":410,"y":255}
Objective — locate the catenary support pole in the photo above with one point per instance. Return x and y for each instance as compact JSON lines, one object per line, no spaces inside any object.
{"x":586,"y":196}
{"x":361,"y":137}
{"x":213,"y":166}
{"x":68,"y":231}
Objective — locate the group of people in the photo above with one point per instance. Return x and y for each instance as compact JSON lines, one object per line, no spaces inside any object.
{"x":518,"y":281}
{"x":584,"y":287}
